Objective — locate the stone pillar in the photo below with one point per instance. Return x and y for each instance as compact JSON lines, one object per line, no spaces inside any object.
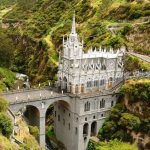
{"x":106,"y":84}
{"x":79,"y":88}
{"x":73,"y":89}
{"x":42,"y":130}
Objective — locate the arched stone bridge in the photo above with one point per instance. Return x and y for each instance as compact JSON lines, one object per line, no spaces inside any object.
{"x":41,"y":99}
{"x":86,"y":111}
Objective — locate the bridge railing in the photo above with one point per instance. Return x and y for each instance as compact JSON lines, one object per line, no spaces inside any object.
{"x":11,"y":91}
{"x":136,"y":74}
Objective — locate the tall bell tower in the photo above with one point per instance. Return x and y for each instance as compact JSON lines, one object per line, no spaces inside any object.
{"x":72,"y":52}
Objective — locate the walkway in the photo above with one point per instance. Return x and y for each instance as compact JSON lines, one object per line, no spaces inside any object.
{"x":30,"y":95}
{"x":142,"y":57}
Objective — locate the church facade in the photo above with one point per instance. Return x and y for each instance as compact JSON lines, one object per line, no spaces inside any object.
{"x":88,"y":79}
{"x":81,"y":72}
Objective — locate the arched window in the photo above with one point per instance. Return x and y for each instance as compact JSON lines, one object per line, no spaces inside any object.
{"x":63,"y":121}
{"x":76,"y":130}
{"x":58,"y":117}
{"x":87,"y":106}
{"x":89,"y":84}
{"x":96,"y":83}
{"x":69,"y":126}
{"x":102,"y":103}
{"x":102,"y":82}
{"x":76,"y":88}
{"x":112,"y":103}
{"x":94,"y":128}
{"x":85,"y":129}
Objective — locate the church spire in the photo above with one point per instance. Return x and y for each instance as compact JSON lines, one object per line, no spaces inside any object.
{"x":73,"y":31}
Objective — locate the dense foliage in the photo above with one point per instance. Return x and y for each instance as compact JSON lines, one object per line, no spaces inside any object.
{"x":5,"y":122}
{"x":111,"y":145}
{"x":6,"y":3}
{"x":5,"y":125}
{"x":137,"y":90}
{"x":7,"y":79}
{"x":131,"y":114}
{"x":34,"y":131}
{"x":40,"y":26}
{"x":6,"y":50}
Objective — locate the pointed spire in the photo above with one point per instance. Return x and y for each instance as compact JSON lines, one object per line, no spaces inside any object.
{"x":73,"y":31}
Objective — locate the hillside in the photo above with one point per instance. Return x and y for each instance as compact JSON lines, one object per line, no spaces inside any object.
{"x":6,"y":3}
{"x":130,"y":118}
{"x":37,"y":28}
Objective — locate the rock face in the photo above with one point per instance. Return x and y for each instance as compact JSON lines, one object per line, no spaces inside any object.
{"x":139,"y":35}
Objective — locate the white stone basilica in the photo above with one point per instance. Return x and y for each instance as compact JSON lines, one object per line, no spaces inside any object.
{"x":90,"y":80}
{"x":96,"y":70}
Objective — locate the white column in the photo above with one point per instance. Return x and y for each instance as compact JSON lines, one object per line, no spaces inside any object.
{"x":42,"y":130}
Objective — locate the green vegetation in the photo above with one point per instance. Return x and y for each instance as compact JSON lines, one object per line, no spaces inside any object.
{"x":50,"y":132}
{"x":137,"y":90}
{"x":41,"y":26}
{"x":5,"y":144}
{"x":6,"y":3}
{"x":131,"y":114}
{"x":6,"y":49}
{"x":34,"y":131}
{"x":3,"y":105}
{"x":5,"y":125}
{"x":30,"y":143}
{"x":133,"y":64}
{"x":7,"y":78}
{"x":111,"y":145}
{"x":5,"y":122}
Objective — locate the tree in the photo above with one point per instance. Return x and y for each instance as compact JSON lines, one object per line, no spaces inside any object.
{"x":129,"y":121}
{"x":6,"y":50}
{"x":6,"y":127}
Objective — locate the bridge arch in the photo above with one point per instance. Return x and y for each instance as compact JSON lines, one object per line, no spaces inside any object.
{"x":57,"y":115}
{"x":94,"y":128}
{"x":31,"y":115}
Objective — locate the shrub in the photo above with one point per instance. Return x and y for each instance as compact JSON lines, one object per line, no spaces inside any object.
{"x":34,"y":131}
{"x":129,"y":121}
{"x":116,"y":145}
{"x":6,"y":127}
{"x":135,"y":14}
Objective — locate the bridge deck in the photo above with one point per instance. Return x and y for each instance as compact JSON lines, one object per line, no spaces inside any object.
{"x":30,"y":95}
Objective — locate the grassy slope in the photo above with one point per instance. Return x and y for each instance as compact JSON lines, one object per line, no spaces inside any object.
{"x":5,"y":144}
{"x":111,"y":145}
